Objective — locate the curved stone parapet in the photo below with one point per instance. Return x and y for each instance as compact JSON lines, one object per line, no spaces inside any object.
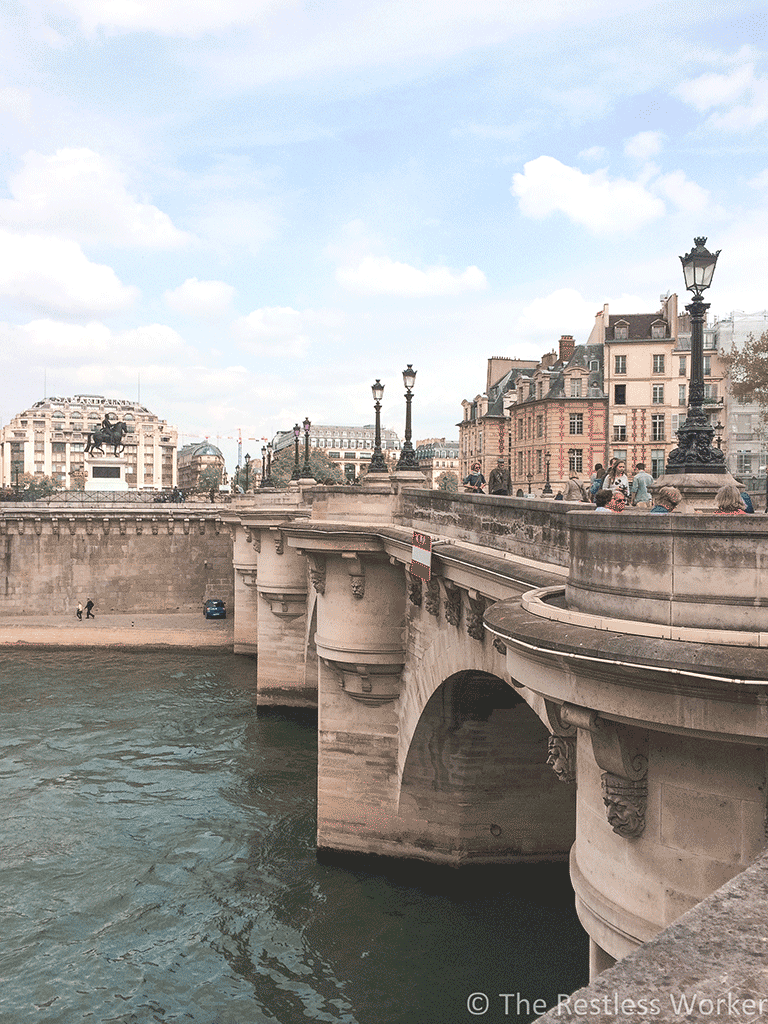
{"x":671,"y":756}
{"x":701,"y":571}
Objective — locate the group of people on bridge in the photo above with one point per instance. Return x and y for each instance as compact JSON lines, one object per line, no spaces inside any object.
{"x":612,"y":490}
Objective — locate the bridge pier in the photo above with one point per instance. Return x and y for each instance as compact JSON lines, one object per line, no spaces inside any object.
{"x":421,"y":752}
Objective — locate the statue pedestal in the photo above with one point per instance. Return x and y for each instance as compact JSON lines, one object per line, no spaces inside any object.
{"x":106,"y":473}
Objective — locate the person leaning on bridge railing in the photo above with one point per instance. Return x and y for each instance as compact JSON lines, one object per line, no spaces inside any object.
{"x":475,"y":480}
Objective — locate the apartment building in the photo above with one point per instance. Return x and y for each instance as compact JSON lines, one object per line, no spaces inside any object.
{"x":49,"y":439}
{"x":349,"y":447}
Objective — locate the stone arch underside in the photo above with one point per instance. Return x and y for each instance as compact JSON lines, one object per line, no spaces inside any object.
{"x":476,"y":786}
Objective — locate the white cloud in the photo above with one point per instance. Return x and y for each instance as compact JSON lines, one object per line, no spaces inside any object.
{"x":644,"y":145}
{"x":599,"y":203}
{"x":715,"y":90}
{"x":684,"y":193}
{"x":172,"y":17}
{"x":82,"y":195}
{"x":563,"y":311}
{"x":52,"y":273}
{"x":379,"y":275}
{"x":282,"y":331}
{"x":204,"y":300}
{"x":61,"y":343}
{"x":16,"y":102}
{"x":723,"y":91}
{"x":594,"y":154}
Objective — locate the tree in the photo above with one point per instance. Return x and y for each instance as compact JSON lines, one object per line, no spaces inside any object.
{"x":448,"y":482}
{"x":31,"y":488}
{"x":323,"y":469}
{"x":747,"y":370}
{"x":210,"y":478}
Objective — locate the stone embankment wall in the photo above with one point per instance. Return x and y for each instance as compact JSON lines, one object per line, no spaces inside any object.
{"x":528,"y":527}
{"x":124,"y":560}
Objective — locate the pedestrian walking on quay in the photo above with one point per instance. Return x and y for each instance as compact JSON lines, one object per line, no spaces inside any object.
{"x":79,"y":612}
{"x":89,"y":609}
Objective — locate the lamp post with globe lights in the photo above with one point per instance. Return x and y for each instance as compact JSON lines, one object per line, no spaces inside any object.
{"x":378,"y":462}
{"x":296,"y":474}
{"x":407,"y":458}
{"x":306,"y":469}
{"x":695,"y":452}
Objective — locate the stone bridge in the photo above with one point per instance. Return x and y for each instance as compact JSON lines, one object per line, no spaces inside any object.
{"x":565,"y":685}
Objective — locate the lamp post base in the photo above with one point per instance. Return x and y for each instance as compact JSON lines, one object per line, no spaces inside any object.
{"x":697,"y":488}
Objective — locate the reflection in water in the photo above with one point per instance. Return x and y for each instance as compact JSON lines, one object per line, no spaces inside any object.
{"x":158,"y":864}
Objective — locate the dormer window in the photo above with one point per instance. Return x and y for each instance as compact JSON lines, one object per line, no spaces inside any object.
{"x":621,"y":332}
{"x":575,"y":387}
{"x":659,"y":330}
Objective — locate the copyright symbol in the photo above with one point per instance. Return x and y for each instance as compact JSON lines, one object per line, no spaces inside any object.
{"x":478,"y":1004}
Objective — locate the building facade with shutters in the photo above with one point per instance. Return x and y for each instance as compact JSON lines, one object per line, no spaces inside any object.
{"x":49,"y":439}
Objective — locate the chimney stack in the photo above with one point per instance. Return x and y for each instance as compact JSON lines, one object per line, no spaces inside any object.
{"x":567,"y":345}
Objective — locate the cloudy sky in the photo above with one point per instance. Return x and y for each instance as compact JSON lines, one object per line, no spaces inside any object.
{"x":251,"y":209}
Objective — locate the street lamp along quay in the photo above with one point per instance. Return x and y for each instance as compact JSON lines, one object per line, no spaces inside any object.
{"x":695,"y":452}
{"x":378,"y":462}
{"x":296,"y":474}
{"x":306,"y":469}
{"x":407,"y":458}
{"x":547,"y":487}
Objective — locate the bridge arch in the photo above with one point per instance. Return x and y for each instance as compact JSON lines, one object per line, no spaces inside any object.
{"x":476,"y":785}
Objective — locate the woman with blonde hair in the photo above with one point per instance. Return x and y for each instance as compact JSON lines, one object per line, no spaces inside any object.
{"x":729,"y":502}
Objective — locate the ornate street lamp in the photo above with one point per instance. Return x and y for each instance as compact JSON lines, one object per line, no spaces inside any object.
{"x":296,"y":474}
{"x":378,"y":462}
{"x":266,"y":466}
{"x":547,"y":488}
{"x":247,"y":471}
{"x":407,"y":458}
{"x":306,"y":469}
{"x":694,"y":452}
{"x":530,"y":478}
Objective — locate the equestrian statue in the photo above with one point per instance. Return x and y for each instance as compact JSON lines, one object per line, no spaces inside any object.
{"x":110,"y":434}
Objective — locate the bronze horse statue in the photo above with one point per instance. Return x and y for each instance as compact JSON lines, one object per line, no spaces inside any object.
{"x":113,"y":436}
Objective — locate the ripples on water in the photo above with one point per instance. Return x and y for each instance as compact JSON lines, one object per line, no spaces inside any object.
{"x":157,"y":863}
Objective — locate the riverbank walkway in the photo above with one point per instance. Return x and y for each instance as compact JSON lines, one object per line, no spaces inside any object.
{"x":161,"y":630}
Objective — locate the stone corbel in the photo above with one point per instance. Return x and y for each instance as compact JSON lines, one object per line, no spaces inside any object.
{"x":38,"y":525}
{"x":477,"y":605}
{"x":373,"y":684}
{"x":154,"y":526}
{"x":201,"y":526}
{"x":248,"y":576}
{"x":317,"y":570}
{"x":186,"y":526}
{"x":139,"y":527}
{"x":105,"y":526}
{"x":122,"y":526}
{"x":89,"y":526}
{"x":55,"y":526}
{"x":171,"y":526}
{"x":452,"y":603}
{"x":433,"y":597}
{"x":72,"y":526}
{"x":279,"y":542}
{"x":286,"y":604}
{"x":499,"y":644}
{"x":356,"y":571}
{"x":561,"y":757}
{"x":414,"y":589}
{"x":253,"y":536}
{"x":622,"y":752}
{"x":218,"y":525}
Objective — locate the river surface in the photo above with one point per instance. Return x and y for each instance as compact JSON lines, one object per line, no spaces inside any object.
{"x":157,"y":863}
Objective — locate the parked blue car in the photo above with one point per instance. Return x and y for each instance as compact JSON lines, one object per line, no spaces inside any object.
{"x":215,"y":609}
